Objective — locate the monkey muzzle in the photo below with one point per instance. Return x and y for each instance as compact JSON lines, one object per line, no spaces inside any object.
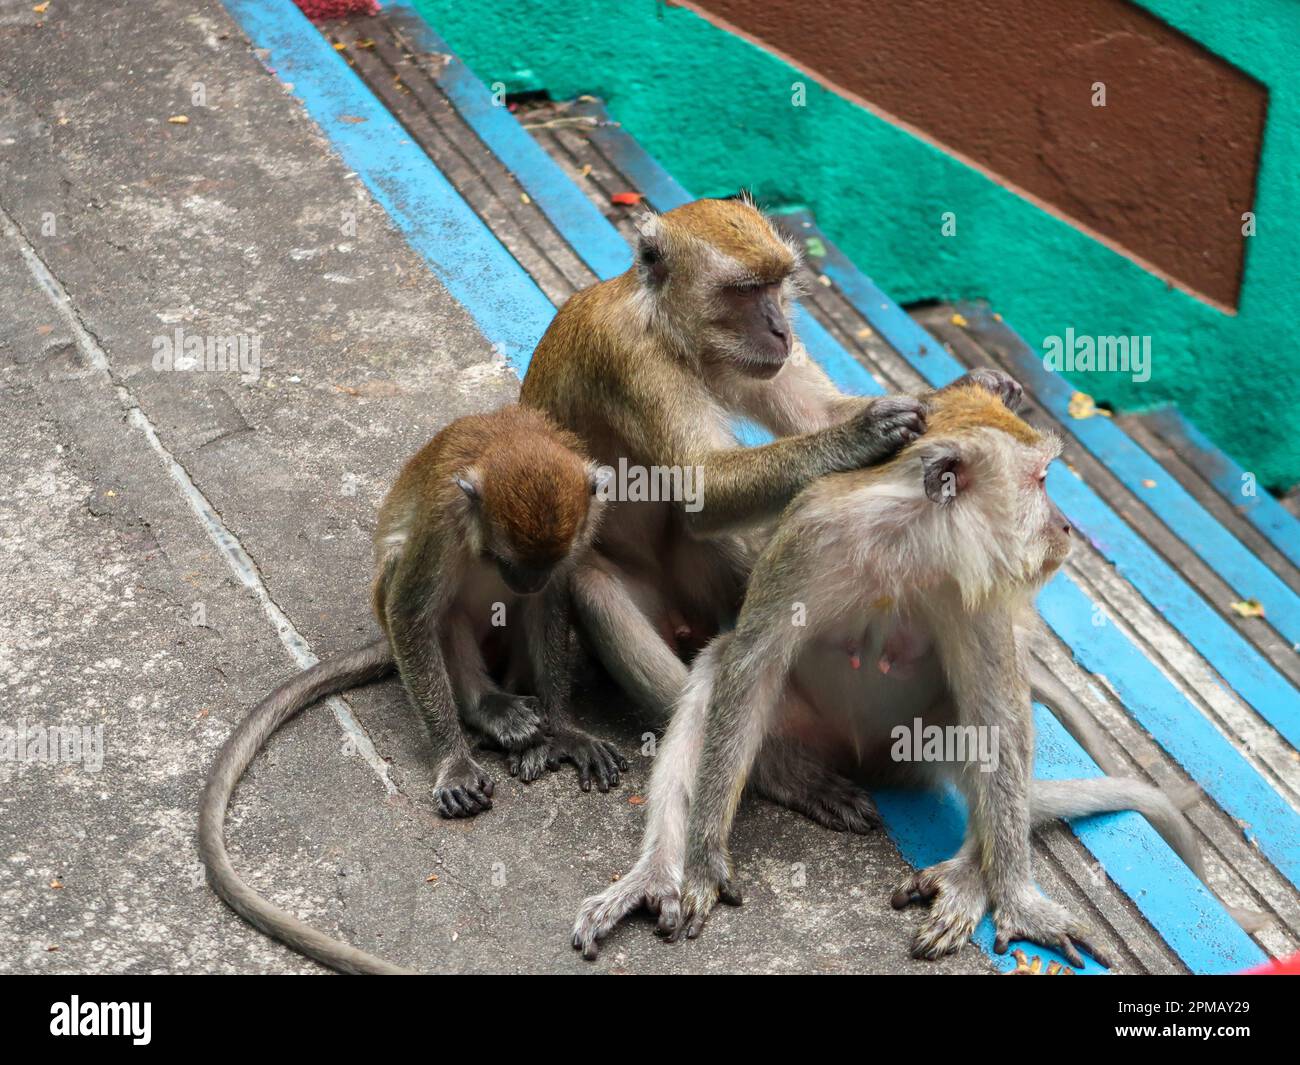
{"x":524,"y":580}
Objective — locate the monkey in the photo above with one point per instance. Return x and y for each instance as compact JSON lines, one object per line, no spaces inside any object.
{"x":485,"y":522}
{"x":918,"y":578}
{"x":650,"y":368}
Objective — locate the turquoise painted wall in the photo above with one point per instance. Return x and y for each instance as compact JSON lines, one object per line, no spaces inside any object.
{"x":717,"y":112}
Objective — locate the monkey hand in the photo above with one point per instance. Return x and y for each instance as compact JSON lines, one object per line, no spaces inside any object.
{"x":591,"y":757}
{"x":882,"y":428}
{"x":463,"y":788}
{"x":958,"y":900}
{"x":705,"y":882}
{"x":1030,"y":915}
{"x":514,"y":722}
{"x":998,"y":382}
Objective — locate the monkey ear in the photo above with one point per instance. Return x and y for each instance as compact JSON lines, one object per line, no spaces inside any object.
{"x":944,"y":473}
{"x":651,"y":253}
{"x":601,"y":477}
{"x":468,"y":481}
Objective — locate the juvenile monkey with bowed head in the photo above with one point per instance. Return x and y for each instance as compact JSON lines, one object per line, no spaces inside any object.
{"x":917,"y":579}
{"x":650,"y":368}
{"x":475,"y":546}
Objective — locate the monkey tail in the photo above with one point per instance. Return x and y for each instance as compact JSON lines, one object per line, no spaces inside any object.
{"x":356,"y":667}
{"x":1049,"y":799}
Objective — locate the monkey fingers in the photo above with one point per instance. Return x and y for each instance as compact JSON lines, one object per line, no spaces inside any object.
{"x":957,"y":899}
{"x":593,"y":758}
{"x":649,"y":885}
{"x":528,"y":765}
{"x":513,"y":722}
{"x":698,"y":897}
{"x":1032,"y":916}
{"x":463,"y":789}
{"x":999,"y":382}
{"x":888,"y":425}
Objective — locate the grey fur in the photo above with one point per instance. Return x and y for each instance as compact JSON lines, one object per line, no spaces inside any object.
{"x":348,"y":670}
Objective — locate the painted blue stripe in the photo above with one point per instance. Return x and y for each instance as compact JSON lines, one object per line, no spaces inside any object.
{"x":1279,"y":525}
{"x":1182,"y":909}
{"x":1195,"y":526}
{"x":1267,"y":820}
{"x":1235,"y":659}
{"x":506,"y":303}
{"x":586,"y":230}
{"x":928,"y":828}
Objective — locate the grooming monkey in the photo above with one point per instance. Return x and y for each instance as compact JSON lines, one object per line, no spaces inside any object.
{"x":474,"y":548}
{"x":651,"y":367}
{"x":916,"y":580}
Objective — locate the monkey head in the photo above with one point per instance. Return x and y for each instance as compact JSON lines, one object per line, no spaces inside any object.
{"x":719,"y":281}
{"x":530,"y":510}
{"x":984,"y":471}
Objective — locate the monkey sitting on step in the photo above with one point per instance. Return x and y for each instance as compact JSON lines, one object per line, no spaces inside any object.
{"x":475,"y":546}
{"x":649,"y":369}
{"x":915,"y":580}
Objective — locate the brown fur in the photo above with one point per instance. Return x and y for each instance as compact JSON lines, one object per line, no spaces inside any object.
{"x":957,"y":410}
{"x":737,"y":229}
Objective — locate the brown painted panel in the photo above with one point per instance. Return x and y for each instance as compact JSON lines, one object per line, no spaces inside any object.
{"x":1164,"y":170}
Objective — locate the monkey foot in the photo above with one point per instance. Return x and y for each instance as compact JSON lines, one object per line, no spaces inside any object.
{"x":955,"y":893}
{"x":594,"y":759}
{"x":512,"y":722}
{"x":1031,"y":916}
{"x":649,"y":885}
{"x":788,"y":775}
{"x":705,"y":883}
{"x":463,"y":790}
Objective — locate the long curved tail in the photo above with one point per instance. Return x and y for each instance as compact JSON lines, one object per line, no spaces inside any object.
{"x":348,"y":670}
{"x":1049,"y":799}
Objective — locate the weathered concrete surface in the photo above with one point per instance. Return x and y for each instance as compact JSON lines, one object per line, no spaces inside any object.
{"x":234,"y":223}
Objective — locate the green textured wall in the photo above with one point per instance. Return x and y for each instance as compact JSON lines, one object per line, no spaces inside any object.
{"x":716,"y":111}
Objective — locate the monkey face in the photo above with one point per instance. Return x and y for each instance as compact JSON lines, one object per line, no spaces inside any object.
{"x":524,"y":579}
{"x":753,"y":314}
{"x":1056,"y":532}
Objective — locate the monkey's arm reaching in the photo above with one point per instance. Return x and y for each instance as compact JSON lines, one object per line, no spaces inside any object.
{"x":746,"y":486}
